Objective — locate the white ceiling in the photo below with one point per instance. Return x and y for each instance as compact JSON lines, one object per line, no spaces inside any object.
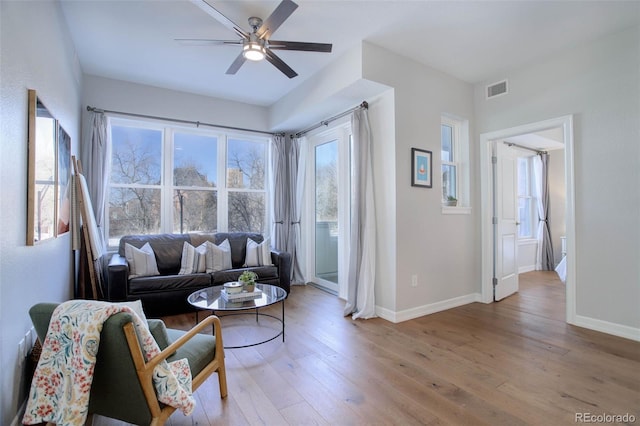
{"x":472,"y":40}
{"x":547,"y":140}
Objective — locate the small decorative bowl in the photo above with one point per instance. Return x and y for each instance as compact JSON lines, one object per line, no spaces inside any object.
{"x":233,"y":287}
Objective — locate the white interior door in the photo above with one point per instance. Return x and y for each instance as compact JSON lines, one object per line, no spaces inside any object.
{"x":506,"y":221}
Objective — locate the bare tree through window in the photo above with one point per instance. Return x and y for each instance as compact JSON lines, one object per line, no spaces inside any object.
{"x":140,"y":185}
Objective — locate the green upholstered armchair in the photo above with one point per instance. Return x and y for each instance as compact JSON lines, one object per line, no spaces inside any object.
{"x":122,"y":385}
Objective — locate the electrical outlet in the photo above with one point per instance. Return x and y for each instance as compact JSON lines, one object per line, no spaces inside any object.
{"x":414,"y":280}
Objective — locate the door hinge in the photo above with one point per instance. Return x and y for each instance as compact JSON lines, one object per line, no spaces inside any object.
{"x":494,"y":220}
{"x":495,"y":281}
{"x":494,"y":159}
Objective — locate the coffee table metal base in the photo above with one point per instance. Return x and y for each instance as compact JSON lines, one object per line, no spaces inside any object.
{"x":211,"y":299}
{"x":257,"y":314}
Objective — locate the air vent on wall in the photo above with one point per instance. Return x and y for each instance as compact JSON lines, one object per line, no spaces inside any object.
{"x":497,"y":89}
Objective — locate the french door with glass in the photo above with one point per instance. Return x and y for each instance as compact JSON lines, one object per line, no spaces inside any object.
{"x":327,"y":206}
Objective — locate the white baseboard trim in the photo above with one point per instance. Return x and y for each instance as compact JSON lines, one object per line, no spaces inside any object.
{"x":619,"y":330}
{"x":528,"y":268}
{"x":431,"y":308}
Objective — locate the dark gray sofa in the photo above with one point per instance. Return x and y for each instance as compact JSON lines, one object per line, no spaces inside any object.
{"x":166,"y":294}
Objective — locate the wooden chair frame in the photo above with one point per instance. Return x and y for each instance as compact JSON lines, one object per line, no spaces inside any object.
{"x":145,"y":369}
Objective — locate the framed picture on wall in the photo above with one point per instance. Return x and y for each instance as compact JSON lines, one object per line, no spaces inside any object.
{"x":63,"y":189}
{"x":421,"y":172}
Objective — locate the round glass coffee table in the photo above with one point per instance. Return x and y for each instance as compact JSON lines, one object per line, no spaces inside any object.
{"x":211,"y":298}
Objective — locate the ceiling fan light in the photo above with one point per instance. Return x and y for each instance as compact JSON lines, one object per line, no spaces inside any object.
{"x":253,"y":51}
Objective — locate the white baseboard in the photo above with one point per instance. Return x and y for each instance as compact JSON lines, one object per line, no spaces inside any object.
{"x":619,"y":330}
{"x":431,"y":308}
{"x":614,"y":329}
{"x":527,"y":268}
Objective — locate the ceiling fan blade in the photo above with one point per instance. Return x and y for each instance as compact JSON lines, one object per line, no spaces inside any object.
{"x":204,"y":5}
{"x":279,"y":63}
{"x":205,"y":42}
{"x":273,"y":22}
{"x":298,"y":45}
{"x":237,"y":63}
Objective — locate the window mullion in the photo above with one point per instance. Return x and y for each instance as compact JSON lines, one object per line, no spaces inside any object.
{"x":223,"y":193}
{"x":166,"y":220}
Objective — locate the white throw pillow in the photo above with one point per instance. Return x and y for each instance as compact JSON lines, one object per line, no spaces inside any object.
{"x":142,"y":261}
{"x":193,"y":259}
{"x":218,"y":258}
{"x":258,"y":254}
{"x":136,"y":306}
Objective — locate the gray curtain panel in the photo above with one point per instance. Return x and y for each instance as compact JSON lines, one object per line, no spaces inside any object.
{"x":546,"y":260}
{"x":96,"y":156}
{"x":287,"y":200}
{"x":280,"y":210}
{"x":297,"y":166}
{"x":361,"y":276}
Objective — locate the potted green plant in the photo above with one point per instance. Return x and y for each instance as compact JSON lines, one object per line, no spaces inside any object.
{"x":451,"y":201}
{"x":248,"y":280}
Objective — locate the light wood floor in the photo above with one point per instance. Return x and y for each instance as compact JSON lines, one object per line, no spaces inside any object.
{"x":508,"y":363}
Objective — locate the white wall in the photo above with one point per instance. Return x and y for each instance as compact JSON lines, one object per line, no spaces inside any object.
{"x":406,"y":101}
{"x":36,"y":53}
{"x":440,"y":249}
{"x":118,"y":95}
{"x":599,"y":84}
{"x":527,"y":254}
{"x":382,"y":119}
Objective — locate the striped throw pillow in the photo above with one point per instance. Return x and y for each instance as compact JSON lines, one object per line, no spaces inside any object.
{"x":193,"y":259}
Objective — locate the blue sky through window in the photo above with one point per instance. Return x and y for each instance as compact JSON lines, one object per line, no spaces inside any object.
{"x":198,"y":151}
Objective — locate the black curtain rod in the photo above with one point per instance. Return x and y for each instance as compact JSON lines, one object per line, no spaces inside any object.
{"x":363,"y":105}
{"x":176,"y":120}
{"x":537,"y":151}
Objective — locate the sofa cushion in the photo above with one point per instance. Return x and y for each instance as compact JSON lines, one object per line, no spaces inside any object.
{"x":168,"y":282}
{"x":199,"y":350}
{"x":217,"y":257}
{"x":238,"y":242}
{"x":264,"y":272}
{"x":167,"y":248}
{"x":258,"y":254}
{"x":142,"y":261}
{"x":193,"y":259}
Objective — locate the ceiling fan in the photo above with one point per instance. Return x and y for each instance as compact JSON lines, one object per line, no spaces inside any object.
{"x":257,"y":44}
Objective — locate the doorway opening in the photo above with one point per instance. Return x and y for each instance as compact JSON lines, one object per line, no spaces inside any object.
{"x":327,"y":207}
{"x":501,"y":207}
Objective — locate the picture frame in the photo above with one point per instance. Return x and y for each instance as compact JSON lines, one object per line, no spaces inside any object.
{"x":48,"y":173}
{"x":41,"y":175}
{"x":421,"y":168}
{"x":63,"y":182}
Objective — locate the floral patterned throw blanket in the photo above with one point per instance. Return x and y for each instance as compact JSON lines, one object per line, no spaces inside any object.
{"x":62,"y":380}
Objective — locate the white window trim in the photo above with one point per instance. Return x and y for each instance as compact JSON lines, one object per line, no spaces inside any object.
{"x":167,"y":186}
{"x":461,"y":154}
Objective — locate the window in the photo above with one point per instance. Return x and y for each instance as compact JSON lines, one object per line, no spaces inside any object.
{"x":177,"y":180}
{"x":526,"y":200}
{"x":454,"y":163}
{"x":449,"y":159}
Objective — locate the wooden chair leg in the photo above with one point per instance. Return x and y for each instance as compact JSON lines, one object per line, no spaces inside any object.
{"x":222,"y":380}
